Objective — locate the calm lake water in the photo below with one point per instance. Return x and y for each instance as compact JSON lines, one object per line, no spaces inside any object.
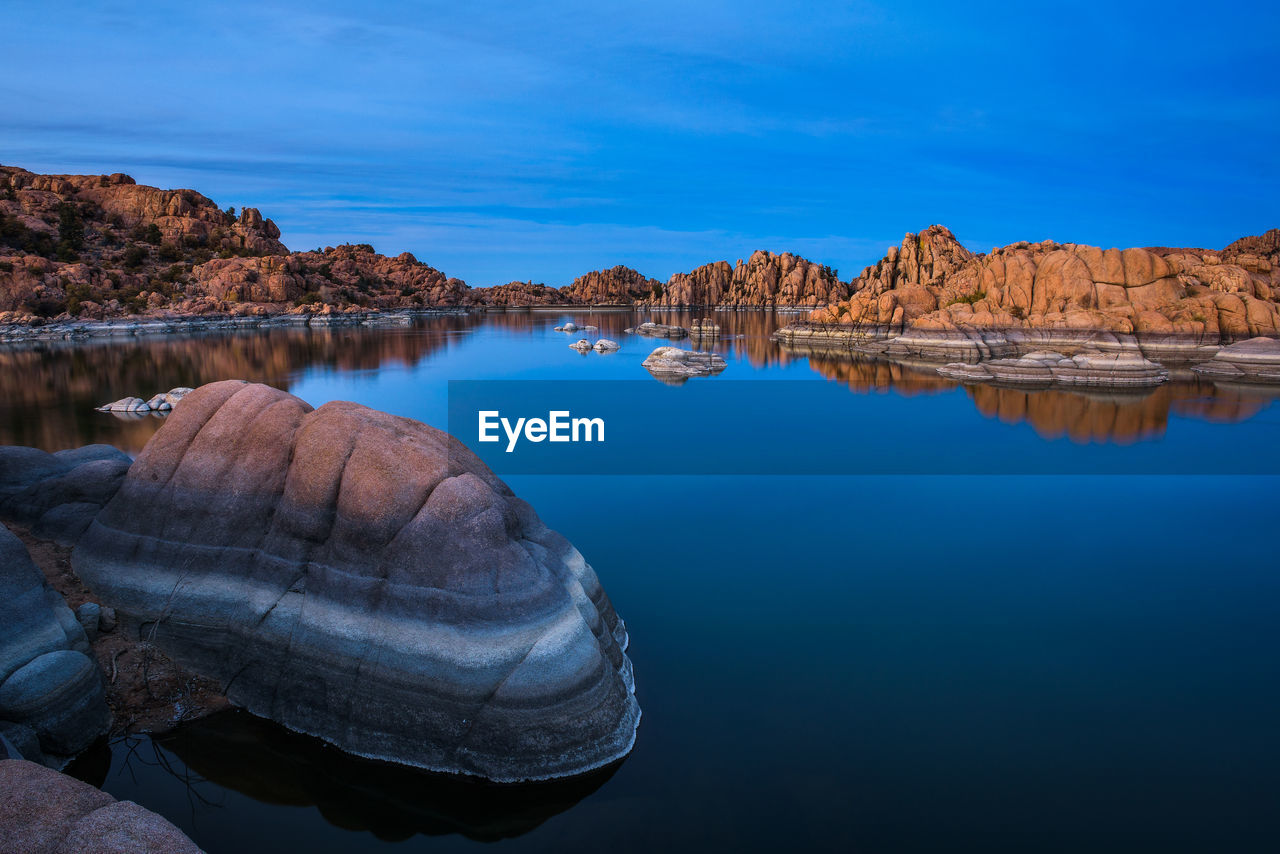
{"x":914,"y":662}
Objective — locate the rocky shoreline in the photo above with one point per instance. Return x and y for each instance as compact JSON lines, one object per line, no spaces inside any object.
{"x":1255,"y":359}
{"x":136,"y":327}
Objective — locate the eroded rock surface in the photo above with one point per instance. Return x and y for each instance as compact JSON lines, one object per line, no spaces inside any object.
{"x":365,"y":578}
{"x":1042,"y":367}
{"x":1255,"y":360}
{"x":764,"y":279}
{"x":44,"y":812}
{"x":671,"y":364}
{"x":48,"y":683}
{"x":58,"y":494}
{"x":617,"y":285}
{"x":660,"y":330}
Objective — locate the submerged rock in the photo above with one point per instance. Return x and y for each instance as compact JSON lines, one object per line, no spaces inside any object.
{"x":366,"y":579}
{"x":44,"y":812}
{"x":1043,"y":367}
{"x":672,"y":363}
{"x":47,"y":682}
{"x":1255,"y":360}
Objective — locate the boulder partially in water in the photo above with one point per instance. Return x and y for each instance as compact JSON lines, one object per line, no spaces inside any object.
{"x":48,"y":684}
{"x":673,"y":365}
{"x":660,"y":330}
{"x":1125,"y":369}
{"x":366,"y":579}
{"x":1255,"y":360}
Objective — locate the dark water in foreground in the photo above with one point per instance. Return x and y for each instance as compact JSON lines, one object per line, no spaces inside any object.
{"x":914,"y":663}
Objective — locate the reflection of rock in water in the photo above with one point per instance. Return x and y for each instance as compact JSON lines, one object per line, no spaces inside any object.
{"x":864,"y":374}
{"x":1119,"y":417}
{"x":65,"y":381}
{"x":1082,"y":417}
{"x":1054,"y":413}
{"x":1224,"y":403}
{"x":271,"y":764}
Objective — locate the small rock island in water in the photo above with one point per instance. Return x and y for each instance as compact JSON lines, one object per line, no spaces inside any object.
{"x":364,"y":578}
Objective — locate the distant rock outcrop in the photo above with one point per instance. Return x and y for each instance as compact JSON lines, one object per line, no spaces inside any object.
{"x":617,"y":285}
{"x":933,"y":284}
{"x":366,"y":579}
{"x":101,"y":246}
{"x":765,"y":279}
{"x":519,"y":294}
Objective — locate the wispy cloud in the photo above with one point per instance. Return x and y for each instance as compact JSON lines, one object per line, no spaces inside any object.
{"x":507,"y":141}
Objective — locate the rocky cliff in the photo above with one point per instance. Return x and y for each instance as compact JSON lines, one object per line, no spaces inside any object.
{"x":932,"y":283}
{"x":616,"y":285}
{"x":98,"y":246}
{"x":519,"y":294}
{"x":94,"y":246}
{"x":765,"y":279}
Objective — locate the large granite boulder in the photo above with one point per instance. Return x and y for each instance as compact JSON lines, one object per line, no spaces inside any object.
{"x":44,"y":812}
{"x":48,"y":683}
{"x":58,"y":494}
{"x":366,"y":579}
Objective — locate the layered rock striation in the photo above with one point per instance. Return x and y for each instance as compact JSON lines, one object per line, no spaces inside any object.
{"x":1255,"y":360}
{"x":366,"y":579}
{"x":1046,"y":368}
{"x":51,"y":691}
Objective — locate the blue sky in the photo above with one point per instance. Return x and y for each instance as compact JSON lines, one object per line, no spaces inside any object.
{"x":502,"y":141}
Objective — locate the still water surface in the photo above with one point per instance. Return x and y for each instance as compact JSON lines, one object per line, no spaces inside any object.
{"x":906,"y":663}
